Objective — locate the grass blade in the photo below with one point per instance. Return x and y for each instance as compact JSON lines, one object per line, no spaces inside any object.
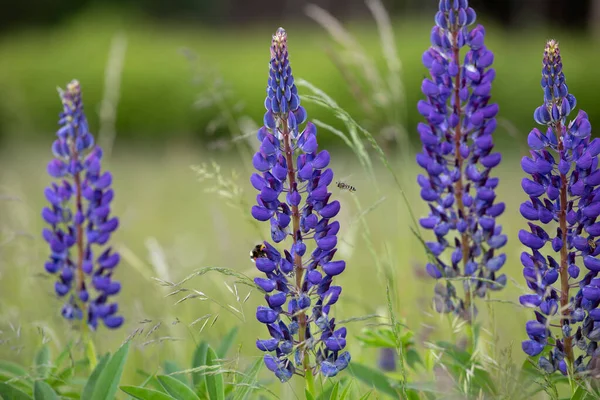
{"x":245,"y":386}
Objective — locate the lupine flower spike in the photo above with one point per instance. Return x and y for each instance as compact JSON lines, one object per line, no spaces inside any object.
{"x":562,"y":210}
{"x":80,"y":221}
{"x":458,"y":159}
{"x":294,"y":198}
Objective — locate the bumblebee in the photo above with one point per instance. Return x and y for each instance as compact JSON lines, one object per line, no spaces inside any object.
{"x":259,"y":251}
{"x":345,"y":186}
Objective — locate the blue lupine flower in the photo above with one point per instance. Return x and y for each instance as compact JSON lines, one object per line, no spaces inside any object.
{"x":295,"y":200}
{"x":457,"y":156}
{"x":80,"y":221}
{"x":563,"y":191}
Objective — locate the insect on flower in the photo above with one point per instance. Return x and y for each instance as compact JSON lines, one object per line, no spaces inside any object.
{"x":258,"y":251}
{"x":345,"y":186}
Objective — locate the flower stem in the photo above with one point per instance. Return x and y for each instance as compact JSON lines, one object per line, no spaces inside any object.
{"x":458,"y":186}
{"x":310,"y":383}
{"x":80,"y":278}
{"x":298,"y":268}
{"x":564,"y":275}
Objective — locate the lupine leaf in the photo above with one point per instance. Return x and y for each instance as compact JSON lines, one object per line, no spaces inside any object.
{"x":214,"y":381}
{"x":335,"y":391}
{"x":171,"y":367}
{"x":199,"y":360}
{"x":9,"y":371}
{"x":227,"y":342}
{"x":366,"y":395}
{"x":88,"y":390}
{"x":176,"y":388}
{"x":142,"y":393}
{"x":108,"y":381}
{"x":308,"y":395}
{"x":12,"y":368}
{"x":346,"y":391}
{"x":42,"y":362}
{"x":250,"y":377}
{"x":8,"y":392}
{"x":43,"y":391}
{"x":373,"y":378}
{"x":90,"y":352}
{"x":580,"y":394}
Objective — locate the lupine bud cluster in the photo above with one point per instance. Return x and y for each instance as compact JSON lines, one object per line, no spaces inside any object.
{"x":294,"y":198}
{"x":562,"y":210}
{"x":80,"y":221}
{"x":457,"y":156}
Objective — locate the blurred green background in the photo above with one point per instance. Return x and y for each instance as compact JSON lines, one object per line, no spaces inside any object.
{"x":170,"y":84}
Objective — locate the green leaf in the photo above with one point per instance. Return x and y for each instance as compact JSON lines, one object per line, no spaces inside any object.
{"x":199,"y":360}
{"x":90,"y":352}
{"x":171,"y":367}
{"x":346,"y":391}
{"x":335,"y":391}
{"x":176,"y":388}
{"x":308,"y":395}
{"x":366,"y":395}
{"x":88,"y":390}
{"x":9,"y":371}
{"x":42,"y":362}
{"x":227,"y":342}
{"x":580,"y":394}
{"x":12,"y":368}
{"x":108,"y":381}
{"x":214,"y":380}
{"x":250,"y":378}
{"x":373,"y":378}
{"x":142,"y":393}
{"x":8,"y":392}
{"x":43,"y":391}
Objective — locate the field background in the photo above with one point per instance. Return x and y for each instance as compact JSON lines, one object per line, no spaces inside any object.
{"x":171,"y":225}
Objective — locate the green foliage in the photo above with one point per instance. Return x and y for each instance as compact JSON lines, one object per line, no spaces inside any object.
{"x":176,"y":388}
{"x":142,"y":393}
{"x":9,"y":392}
{"x":108,"y":381}
{"x":88,"y":390}
{"x":214,"y":381}
{"x":43,"y":391}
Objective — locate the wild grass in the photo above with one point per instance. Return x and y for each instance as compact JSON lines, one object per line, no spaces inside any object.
{"x":177,"y":236}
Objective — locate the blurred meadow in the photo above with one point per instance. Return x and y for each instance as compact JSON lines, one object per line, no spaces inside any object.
{"x":180,"y":120}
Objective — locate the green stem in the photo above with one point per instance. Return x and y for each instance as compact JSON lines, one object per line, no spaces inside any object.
{"x":310,"y":383}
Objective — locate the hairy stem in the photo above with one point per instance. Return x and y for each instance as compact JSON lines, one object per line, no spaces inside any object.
{"x":79,"y":228}
{"x":564,"y":275}
{"x":298,"y":268}
{"x":458,"y":186}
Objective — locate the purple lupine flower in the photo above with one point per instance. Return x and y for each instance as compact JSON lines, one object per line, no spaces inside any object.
{"x":563,"y":191}
{"x":80,"y":220}
{"x":457,"y":155}
{"x":295,"y":200}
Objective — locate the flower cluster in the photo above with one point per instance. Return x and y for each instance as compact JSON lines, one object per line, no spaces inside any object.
{"x":80,"y":221}
{"x":564,"y":192}
{"x":298,"y":295}
{"x":457,"y":156}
